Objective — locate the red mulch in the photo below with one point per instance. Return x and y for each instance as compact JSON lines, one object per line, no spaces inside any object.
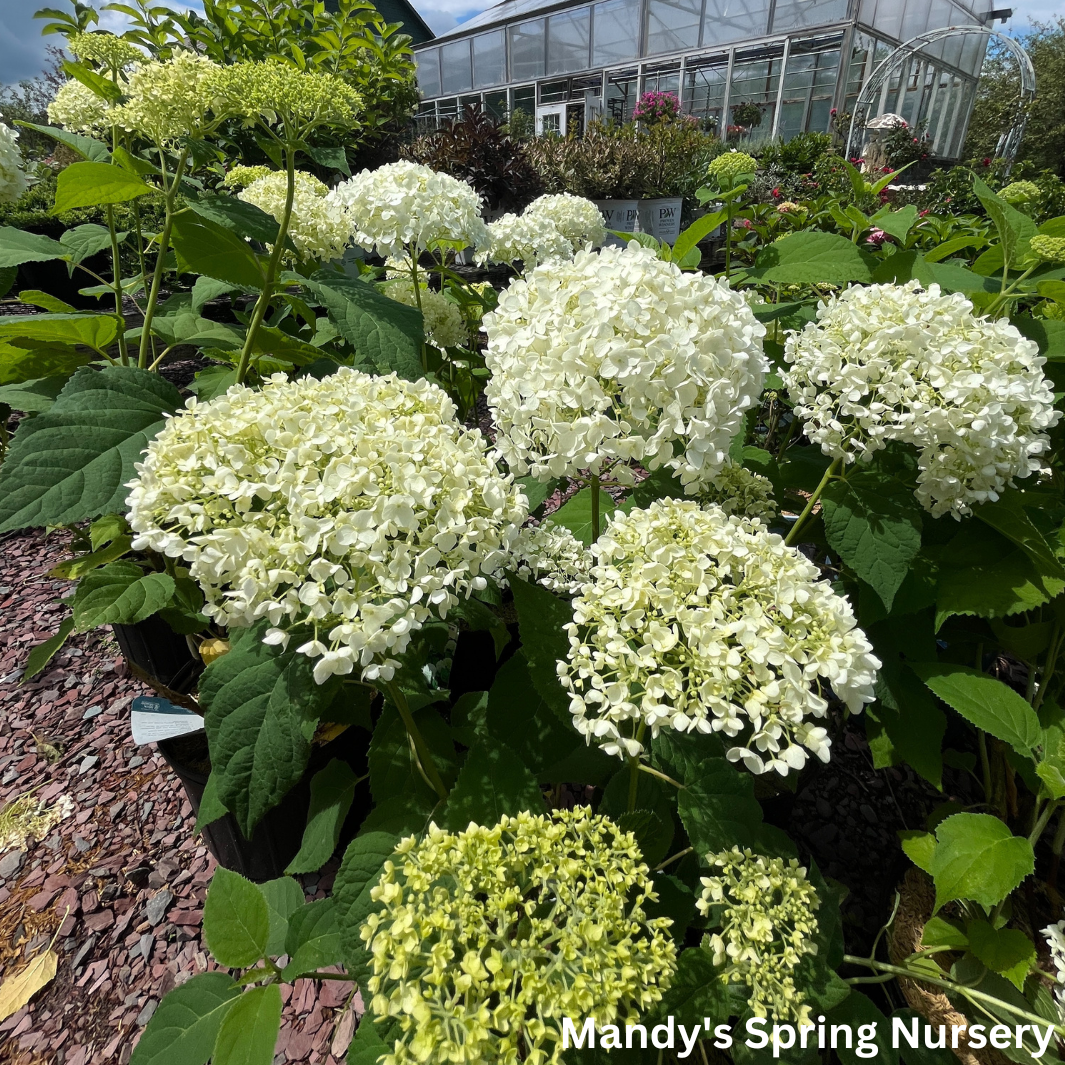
{"x":129,"y":839}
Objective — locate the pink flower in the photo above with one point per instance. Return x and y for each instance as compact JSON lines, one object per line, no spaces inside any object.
{"x":877,"y":236}
{"x":776,"y":193}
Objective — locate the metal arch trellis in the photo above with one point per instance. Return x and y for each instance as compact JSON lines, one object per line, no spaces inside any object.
{"x":1008,"y":143}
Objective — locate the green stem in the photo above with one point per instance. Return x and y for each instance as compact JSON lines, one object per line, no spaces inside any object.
{"x":1041,"y":821}
{"x":262,"y":304}
{"x":425,"y":758}
{"x":960,"y":989}
{"x":1058,"y":844}
{"x":1048,"y":669}
{"x":1008,"y":290}
{"x":728,"y":236}
{"x":985,"y":763}
{"x":416,"y":282}
{"x":164,"y":247}
{"x":634,"y":780}
{"x":123,"y":347}
{"x":831,"y":473}
{"x":595,"y":507}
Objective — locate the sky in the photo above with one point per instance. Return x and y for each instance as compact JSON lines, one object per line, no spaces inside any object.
{"x":22,"y":49}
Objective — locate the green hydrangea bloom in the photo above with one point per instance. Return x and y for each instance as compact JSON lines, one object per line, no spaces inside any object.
{"x":763,"y":909}
{"x":484,"y":940}
{"x":275,"y":93}
{"x":171,"y":100}
{"x":739,"y":491}
{"x":240,"y":177}
{"x":106,"y":49}
{"x":1020,"y":192}
{"x":1049,"y":249}
{"x":732,"y":165}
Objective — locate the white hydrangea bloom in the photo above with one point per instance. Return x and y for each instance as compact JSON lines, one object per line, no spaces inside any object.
{"x":403,"y":205}
{"x":523,"y":238}
{"x":77,"y":108}
{"x":697,"y":621}
{"x":577,"y":219}
{"x":444,"y":325}
{"x":318,"y":226}
{"x":13,"y":181}
{"x":1055,"y":934}
{"x":614,"y":356}
{"x":551,"y":555}
{"x":348,"y":510}
{"x":737,"y":490}
{"x":896,"y":362}
{"x":170,"y":100}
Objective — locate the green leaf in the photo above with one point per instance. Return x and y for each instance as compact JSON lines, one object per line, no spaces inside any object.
{"x":492,"y":782}
{"x":700,"y":228}
{"x":86,"y":147}
{"x":985,"y":702}
{"x":97,"y":331}
{"x":541,"y":616}
{"x":358,"y":873}
{"x":1015,"y":230}
{"x":236,"y":921}
{"x":393,"y":766}
{"x":367,"y":1048}
{"x":187,"y":327}
{"x":719,"y":809}
{"x":941,"y":933}
{"x":696,"y":991}
{"x":536,"y":491}
{"x":183,"y":1030}
{"x":90,"y":184}
{"x":920,"y":1054}
{"x":313,"y":939}
{"x":1008,"y":516}
{"x":204,"y":247}
{"x":904,"y":266}
{"x":875,"y":525}
{"x":978,"y":858}
{"x":89,"y":239}
{"x":952,"y":277}
{"x":43,"y":653}
{"x":211,"y":806}
{"x":896,"y":223}
{"x":18,"y":247}
{"x":1051,"y":770}
{"x":812,"y":258}
{"x":576,"y":514}
{"x":99,"y":84}
{"x":73,"y":461}
{"x":284,"y":897}
{"x":1003,"y":950}
{"x":1046,"y":332}
{"x":207,"y":289}
{"x":386,"y":333}
{"x":335,"y":157}
{"x":857,"y":1010}
{"x":955,"y":244}
{"x":32,"y":396}
{"x":261,"y":707}
{"x":332,"y":792}
{"x":244,"y":219}
{"x":919,"y":847}
{"x":248,"y":1034}
{"x":120,"y":593}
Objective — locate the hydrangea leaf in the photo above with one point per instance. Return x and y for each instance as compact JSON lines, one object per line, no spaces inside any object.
{"x":1015,"y":229}
{"x":393,"y":767}
{"x":244,"y":219}
{"x":261,"y":706}
{"x":32,"y":396}
{"x":92,"y":184}
{"x":813,"y":259}
{"x":284,"y":897}
{"x":367,"y":1048}
{"x":18,"y":247}
{"x":493,"y":781}
{"x":1003,"y":950}
{"x":1051,"y":770}
{"x":183,"y":1030}
{"x":382,"y":331}
{"x":696,"y":992}
{"x":204,"y":247}
{"x":358,"y":873}
{"x":719,"y":809}
{"x":120,"y":593}
{"x":856,"y":1010}
{"x":313,"y":940}
{"x":541,"y":616}
{"x":248,"y":1033}
{"x":985,"y":702}
{"x":576,"y":514}
{"x":332,"y":792}
{"x":89,"y":239}
{"x":919,"y":847}
{"x":73,"y":461}
{"x":920,"y":1054}
{"x":1007,"y":516}
{"x":676,"y":900}
{"x":43,"y":653}
{"x":236,"y":921}
{"x":86,"y":147}
{"x":875,"y":525}
{"x":939,"y":932}
{"x":978,"y":858}
{"x":96,"y":331}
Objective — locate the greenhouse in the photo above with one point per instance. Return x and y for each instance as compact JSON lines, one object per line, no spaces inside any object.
{"x":796,"y":60}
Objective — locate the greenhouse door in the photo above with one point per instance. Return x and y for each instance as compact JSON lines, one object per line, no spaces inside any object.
{"x":551,"y":118}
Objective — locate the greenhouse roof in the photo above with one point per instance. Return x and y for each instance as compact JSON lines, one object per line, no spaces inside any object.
{"x":504,"y":12}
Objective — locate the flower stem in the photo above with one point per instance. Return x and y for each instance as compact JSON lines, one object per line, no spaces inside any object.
{"x":116,"y":284}
{"x":634,"y":781}
{"x":831,"y":473}
{"x":425,"y":758}
{"x":595,"y":507}
{"x":262,"y":304}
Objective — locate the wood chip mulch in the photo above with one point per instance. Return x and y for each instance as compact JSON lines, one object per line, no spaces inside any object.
{"x":123,"y":878}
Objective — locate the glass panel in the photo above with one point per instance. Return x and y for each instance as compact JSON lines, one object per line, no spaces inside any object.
{"x":523,"y":99}
{"x":673,"y":25}
{"x":429,"y":71}
{"x":943,"y":13}
{"x":755,"y":81}
{"x":447,"y":109}
{"x":734,"y":20}
{"x":809,"y":84}
{"x":704,"y":92}
{"x":617,"y":32}
{"x":794,"y":14}
{"x":527,"y":50}
{"x":664,"y":79}
{"x":820,"y":114}
{"x":553,"y":92}
{"x":867,"y":12}
{"x":489,"y":60}
{"x":915,"y":20}
{"x":972,"y":54}
{"x":621,"y":92}
{"x":495,"y":104}
{"x":455,"y":75}
{"x":888,"y":17}
{"x":568,"y":37}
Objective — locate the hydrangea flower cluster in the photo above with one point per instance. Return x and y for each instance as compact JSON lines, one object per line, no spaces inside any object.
{"x":13,"y":181}
{"x":348,"y":510}
{"x":737,"y":490}
{"x":484,"y":940}
{"x":697,"y":621}
{"x":1021,"y":192}
{"x":764,"y":909}
{"x":443,"y":321}
{"x":614,"y":356}
{"x":105,"y":49}
{"x":896,"y":362}
{"x":577,"y":219}
{"x":167,"y":101}
{"x":551,"y":555}
{"x":1055,"y":934}
{"x":731,"y":165}
{"x":403,"y":206}
{"x":523,"y":238}
{"x":240,"y":176}
{"x":77,"y":108}
{"x":317,"y":227}
{"x":1048,"y":249}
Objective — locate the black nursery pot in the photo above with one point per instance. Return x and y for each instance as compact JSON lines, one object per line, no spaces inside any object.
{"x":53,"y":276}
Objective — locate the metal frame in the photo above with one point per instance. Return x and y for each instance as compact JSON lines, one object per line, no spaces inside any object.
{"x":900,"y":60}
